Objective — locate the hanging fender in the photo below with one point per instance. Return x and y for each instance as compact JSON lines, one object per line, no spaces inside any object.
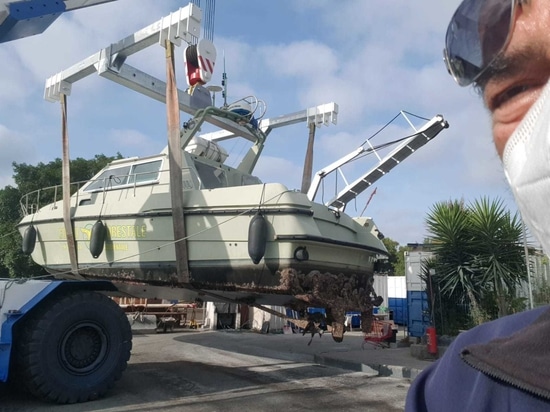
{"x":257,"y":237}
{"x":29,"y":240}
{"x":97,"y":239}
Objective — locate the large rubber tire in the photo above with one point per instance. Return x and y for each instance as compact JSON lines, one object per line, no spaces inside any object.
{"x":75,"y":348}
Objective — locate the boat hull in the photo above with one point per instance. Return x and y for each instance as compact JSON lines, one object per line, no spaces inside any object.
{"x":211,"y":262}
{"x":139,"y":246}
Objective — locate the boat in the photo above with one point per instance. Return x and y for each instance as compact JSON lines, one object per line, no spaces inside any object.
{"x":231,"y":237}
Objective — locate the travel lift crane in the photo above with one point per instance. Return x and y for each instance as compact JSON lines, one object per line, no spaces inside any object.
{"x":68,"y":342}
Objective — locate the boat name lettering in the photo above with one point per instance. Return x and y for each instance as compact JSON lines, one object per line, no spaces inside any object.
{"x":115,"y":232}
{"x":127,"y":231}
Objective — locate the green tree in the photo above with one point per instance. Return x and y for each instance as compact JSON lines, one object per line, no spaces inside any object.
{"x":396,"y":258}
{"x":448,"y":225}
{"x":9,"y":204}
{"x":399,"y":266}
{"x":478,"y":255}
{"x":391,"y":247}
{"x":499,"y":254}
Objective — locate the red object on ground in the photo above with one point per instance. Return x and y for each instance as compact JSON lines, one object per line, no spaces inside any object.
{"x":432,"y":340}
{"x":380,"y":334}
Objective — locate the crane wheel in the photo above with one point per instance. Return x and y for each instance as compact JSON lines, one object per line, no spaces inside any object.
{"x":74,"y":348}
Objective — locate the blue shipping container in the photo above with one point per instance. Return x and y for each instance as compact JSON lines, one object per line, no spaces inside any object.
{"x":419,"y":316}
{"x":400,"y":310}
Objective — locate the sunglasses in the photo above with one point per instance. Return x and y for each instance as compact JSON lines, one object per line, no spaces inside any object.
{"x":478,"y":32}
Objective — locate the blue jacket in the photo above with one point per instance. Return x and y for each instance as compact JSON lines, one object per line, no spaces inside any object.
{"x":503,"y":365}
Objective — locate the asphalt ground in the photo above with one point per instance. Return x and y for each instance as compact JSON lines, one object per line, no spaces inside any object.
{"x":234,"y":370}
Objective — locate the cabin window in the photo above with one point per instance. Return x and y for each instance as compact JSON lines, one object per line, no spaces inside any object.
{"x":141,"y":173}
{"x":250,"y":180}
{"x":110,"y":179}
{"x":145,"y":172}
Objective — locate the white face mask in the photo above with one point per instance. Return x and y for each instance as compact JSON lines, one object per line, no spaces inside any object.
{"x":526,"y":162}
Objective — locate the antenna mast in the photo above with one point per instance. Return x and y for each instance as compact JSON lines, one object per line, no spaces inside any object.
{"x":224,"y":82}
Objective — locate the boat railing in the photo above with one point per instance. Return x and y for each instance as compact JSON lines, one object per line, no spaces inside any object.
{"x":31,"y":202}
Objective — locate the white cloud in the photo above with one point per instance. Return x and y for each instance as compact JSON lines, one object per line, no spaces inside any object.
{"x":277,"y":170}
{"x":133,"y":143}
{"x":14,"y":147}
{"x":305,"y":60}
{"x":14,"y":82}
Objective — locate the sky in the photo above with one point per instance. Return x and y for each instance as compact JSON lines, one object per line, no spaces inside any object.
{"x":373,"y":58}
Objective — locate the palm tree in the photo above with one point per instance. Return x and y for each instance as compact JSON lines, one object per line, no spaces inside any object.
{"x":496,"y":244}
{"x":478,"y":253}
{"x":448,"y":225}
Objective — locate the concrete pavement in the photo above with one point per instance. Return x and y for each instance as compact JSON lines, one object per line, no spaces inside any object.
{"x":350,"y":354}
{"x":395,"y":361}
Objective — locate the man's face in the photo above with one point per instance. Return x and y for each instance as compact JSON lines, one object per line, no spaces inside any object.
{"x":516,"y":80}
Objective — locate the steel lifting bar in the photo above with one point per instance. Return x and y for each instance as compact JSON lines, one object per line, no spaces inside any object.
{"x":183,"y":24}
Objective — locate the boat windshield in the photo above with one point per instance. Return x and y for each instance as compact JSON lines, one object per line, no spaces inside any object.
{"x":117,"y":177}
{"x":211,"y":177}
